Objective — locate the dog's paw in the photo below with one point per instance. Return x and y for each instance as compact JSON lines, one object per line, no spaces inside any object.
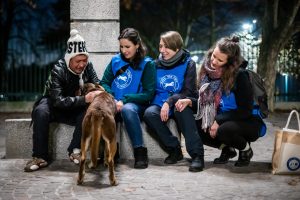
{"x":113,"y":183}
{"x":91,"y":165}
{"x":79,"y":182}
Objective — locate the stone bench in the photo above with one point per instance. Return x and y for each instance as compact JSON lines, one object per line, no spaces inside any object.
{"x":19,"y":140}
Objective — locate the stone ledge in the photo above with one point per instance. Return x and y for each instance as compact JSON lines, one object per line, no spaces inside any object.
{"x":19,"y":140}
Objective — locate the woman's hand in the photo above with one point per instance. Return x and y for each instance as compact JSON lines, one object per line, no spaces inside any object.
{"x":164,"y":112}
{"x":213,"y":130}
{"x":181,"y":104}
{"x":119,"y":105}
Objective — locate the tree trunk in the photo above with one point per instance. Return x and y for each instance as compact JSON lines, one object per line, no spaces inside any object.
{"x":276,"y":31}
{"x":268,"y":61}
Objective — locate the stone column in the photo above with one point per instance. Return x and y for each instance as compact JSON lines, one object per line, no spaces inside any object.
{"x":98,"y":23}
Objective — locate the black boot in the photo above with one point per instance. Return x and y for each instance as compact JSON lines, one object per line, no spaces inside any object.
{"x":227,"y":153}
{"x":244,"y":158}
{"x":141,"y":158}
{"x":174,"y":156}
{"x":197,"y":164}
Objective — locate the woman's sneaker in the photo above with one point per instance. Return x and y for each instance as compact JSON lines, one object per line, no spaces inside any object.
{"x":35,"y":164}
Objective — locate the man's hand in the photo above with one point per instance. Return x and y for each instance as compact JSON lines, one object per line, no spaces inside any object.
{"x":91,"y":95}
{"x":119,"y":105}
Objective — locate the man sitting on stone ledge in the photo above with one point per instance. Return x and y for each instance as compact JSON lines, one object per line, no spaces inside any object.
{"x":61,"y":101}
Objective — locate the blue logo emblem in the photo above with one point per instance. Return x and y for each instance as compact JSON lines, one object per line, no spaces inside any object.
{"x":293,"y":164}
{"x":123,"y":80}
{"x":169,"y":83}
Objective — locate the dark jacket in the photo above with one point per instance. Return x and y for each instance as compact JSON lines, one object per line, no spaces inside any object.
{"x":244,"y":99}
{"x":62,"y":85}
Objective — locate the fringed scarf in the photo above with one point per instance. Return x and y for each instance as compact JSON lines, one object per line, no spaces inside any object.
{"x":209,"y":95}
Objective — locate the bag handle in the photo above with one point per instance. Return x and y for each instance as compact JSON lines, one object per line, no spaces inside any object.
{"x":289,"y":119}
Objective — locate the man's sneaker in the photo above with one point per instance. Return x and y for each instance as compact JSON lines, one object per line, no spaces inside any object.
{"x":75,"y":156}
{"x":35,"y":164}
{"x":227,"y":153}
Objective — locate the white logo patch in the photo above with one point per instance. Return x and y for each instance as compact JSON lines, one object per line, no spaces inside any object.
{"x":169,"y":82}
{"x":123,"y":80}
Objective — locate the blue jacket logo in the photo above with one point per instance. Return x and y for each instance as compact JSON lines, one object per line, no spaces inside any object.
{"x":169,"y":82}
{"x":123,"y":80}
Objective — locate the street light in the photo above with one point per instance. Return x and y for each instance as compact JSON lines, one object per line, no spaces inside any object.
{"x":247,"y":27}
{"x":248,"y":43}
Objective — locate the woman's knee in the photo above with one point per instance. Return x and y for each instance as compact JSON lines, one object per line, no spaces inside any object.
{"x":151,"y":112}
{"x":129,"y":109}
{"x":187,"y":113}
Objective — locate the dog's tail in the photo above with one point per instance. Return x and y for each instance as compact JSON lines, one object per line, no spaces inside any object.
{"x":97,"y":132}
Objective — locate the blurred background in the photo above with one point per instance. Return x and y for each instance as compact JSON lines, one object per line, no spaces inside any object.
{"x":34,"y":34}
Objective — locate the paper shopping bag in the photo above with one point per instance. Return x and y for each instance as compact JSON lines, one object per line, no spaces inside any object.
{"x":286,"y":154}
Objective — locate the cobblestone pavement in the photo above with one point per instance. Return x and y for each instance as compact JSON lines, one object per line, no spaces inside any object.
{"x":158,"y":181}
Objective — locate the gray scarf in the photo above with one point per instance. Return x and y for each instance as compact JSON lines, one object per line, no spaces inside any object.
{"x":172,"y":61}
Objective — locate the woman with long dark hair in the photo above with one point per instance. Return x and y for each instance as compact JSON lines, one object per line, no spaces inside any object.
{"x":225,"y":114}
{"x":130,"y":78}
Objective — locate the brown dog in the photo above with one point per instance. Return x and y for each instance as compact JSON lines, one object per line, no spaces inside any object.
{"x":99,"y":121}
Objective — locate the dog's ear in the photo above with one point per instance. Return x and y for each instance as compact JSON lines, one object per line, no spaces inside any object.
{"x":88,"y":87}
{"x":99,"y":87}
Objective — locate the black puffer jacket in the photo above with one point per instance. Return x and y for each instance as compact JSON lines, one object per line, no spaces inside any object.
{"x":62,"y":85}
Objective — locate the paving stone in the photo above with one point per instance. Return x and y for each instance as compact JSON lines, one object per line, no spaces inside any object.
{"x":158,"y":181}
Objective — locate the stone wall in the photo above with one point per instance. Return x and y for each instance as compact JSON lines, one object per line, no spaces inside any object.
{"x":98,"y":23}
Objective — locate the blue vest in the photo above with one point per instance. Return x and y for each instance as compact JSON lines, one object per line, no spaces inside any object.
{"x":128,"y":82}
{"x":169,"y":82}
{"x":228,"y":103}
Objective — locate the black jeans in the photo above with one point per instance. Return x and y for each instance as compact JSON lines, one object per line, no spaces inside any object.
{"x":42,"y":115}
{"x":160,"y":128}
{"x":234,"y":133}
{"x":187,"y":125}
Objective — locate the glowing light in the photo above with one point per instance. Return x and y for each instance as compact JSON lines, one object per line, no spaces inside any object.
{"x":247,"y":26}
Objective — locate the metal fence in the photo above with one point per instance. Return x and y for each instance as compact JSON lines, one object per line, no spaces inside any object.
{"x":24,"y":77}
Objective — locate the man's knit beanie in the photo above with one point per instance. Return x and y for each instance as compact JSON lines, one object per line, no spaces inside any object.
{"x":75,"y":46}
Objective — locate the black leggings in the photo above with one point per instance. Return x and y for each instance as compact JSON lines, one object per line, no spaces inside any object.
{"x":233,"y":133}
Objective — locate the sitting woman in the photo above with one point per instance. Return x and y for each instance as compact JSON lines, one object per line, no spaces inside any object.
{"x":130,"y":78}
{"x":176,"y":79}
{"x":224,"y":108}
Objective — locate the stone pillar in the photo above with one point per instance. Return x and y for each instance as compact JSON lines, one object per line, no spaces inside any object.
{"x":98,"y":23}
